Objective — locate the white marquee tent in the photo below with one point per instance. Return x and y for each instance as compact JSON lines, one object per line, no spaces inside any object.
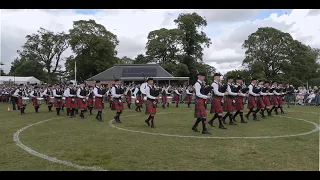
{"x":18,"y":80}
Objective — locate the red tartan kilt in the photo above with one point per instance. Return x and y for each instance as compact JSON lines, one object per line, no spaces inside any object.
{"x":200,"y":109}
{"x":280,"y":100}
{"x":142,"y":99}
{"x":274,"y":100}
{"x":56,"y":104}
{"x":99,"y":103}
{"x":35,"y":101}
{"x":116,"y":105}
{"x":71,"y":104}
{"x":82,"y":104}
{"x":20,"y":102}
{"x":176,"y":98}
{"x":188,"y":98}
{"x":266,"y":101}
{"x":128,"y":99}
{"x":216,"y":106}
{"x":139,"y":99}
{"x":252,"y":102}
{"x":150,"y":108}
{"x":90,"y":102}
{"x":260,"y":103}
{"x":109,"y":99}
{"x":48,"y":99}
{"x":228,"y":105}
{"x":239,"y":103}
{"x":164,"y":99}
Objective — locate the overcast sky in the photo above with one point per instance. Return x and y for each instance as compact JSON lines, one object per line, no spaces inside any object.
{"x":227,"y":29}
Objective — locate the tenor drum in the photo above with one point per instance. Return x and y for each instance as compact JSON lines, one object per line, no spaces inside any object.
{"x":25,"y":100}
{"x":169,"y":99}
{"x":40,"y":101}
{"x":133,"y":99}
{"x":51,"y":99}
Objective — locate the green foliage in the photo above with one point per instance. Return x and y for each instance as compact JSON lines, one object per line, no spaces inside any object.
{"x":94,"y":49}
{"x":46,"y":47}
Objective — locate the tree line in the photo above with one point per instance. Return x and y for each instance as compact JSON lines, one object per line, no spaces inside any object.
{"x":270,"y":53}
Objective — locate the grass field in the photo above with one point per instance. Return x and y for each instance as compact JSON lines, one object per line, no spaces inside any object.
{"x":92,"y":143}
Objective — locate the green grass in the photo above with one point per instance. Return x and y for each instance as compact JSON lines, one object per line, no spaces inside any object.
{"x":92,"y":143}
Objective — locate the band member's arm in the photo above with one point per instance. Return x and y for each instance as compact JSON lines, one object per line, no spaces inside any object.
{"x":135,"y":92}
{"x":216,"y":90}
{"x":16,"y":93}
{"x":188,"y":92}
{"x":54,"y":93}
{"x":31,"y":94}
{"x":251,"y":92}
{"x":276,"y":93}
{"x":197,"y":87}
{"x":66,"y":92}
{"x":95,"y":92}
{"x":113,"y":93}
{"x":45,"y":92}
{"x":230,"y":92}
{"x":78,"y":93}
{"x":148,"y":93}
{"x":177,"y":92}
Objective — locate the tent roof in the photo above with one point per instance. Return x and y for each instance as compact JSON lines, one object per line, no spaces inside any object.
{"x":131,"y":70}
{"x":20,"y":79}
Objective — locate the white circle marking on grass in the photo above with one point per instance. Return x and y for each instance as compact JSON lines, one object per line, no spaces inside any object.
{"x":17,"y":141}
{"x":217,"y":137}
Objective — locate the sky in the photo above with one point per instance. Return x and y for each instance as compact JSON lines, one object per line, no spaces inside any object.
{"x":227,"y":28}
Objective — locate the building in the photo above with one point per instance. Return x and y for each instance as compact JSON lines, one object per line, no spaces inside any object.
{"x":18,"y":80}
{"x":128,"y":73}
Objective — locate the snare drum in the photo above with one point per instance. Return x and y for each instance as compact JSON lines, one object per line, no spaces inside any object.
{"x":51,"y":99}
{"x":40,"y":101}
{"x":169,"y":99}
{"x":25,"y":100}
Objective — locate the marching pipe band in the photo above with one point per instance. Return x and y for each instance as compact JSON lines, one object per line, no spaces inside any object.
{"x":227,"y":100}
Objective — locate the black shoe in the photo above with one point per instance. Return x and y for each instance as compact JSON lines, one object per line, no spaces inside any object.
{"x":234,"y":119}
{"x":283,"y":113}
{"x":152,"y":125}
{"x":195,"y":129}
{"x":247,"y":116}
{"x":211,"y":123}
{"x":206,"y":132}
{"x":256,"y":119}
{"x":222,"y":127}
{"x":224,"y":121}
{"x":243,"y":121}
{"x":232,"y":123}
{"x":147,"y":121}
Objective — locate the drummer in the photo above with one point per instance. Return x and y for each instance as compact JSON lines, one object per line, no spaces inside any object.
{"x":57,"y":94}
{"x":47,"y":93}
{"x":36,"y":95}
{"x":82,"y":94}
{"x":90,"y":104}
{"x":117,"y":103}
{"x":19,"y":93}
{"x":137,"y":95}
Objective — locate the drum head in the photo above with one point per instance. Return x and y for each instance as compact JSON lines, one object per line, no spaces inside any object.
{"x":25,"y":98}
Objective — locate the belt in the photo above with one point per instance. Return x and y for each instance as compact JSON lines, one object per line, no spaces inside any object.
{"x":150,"y":99}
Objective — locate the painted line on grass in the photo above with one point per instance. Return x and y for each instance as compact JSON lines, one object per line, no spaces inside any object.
{"x":216,"y":137}
{"x":17,"y":141}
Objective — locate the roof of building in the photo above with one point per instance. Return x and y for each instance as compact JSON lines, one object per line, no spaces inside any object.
{"x":131,"y":70}
{"x":19,"y":79}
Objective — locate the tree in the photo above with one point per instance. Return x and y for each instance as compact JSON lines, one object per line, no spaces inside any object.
{"x":207,"y":69}
{"x":125,"y":60}
{"x":1,"y":70}
{"x":141,"y":59}
{"x":244,"y":74}
{"x":94,"y":48}
{"x":163,"y":45}
{"x":46,"y":47}
{"x":26,"y":66}
{"x":193,"y":41}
